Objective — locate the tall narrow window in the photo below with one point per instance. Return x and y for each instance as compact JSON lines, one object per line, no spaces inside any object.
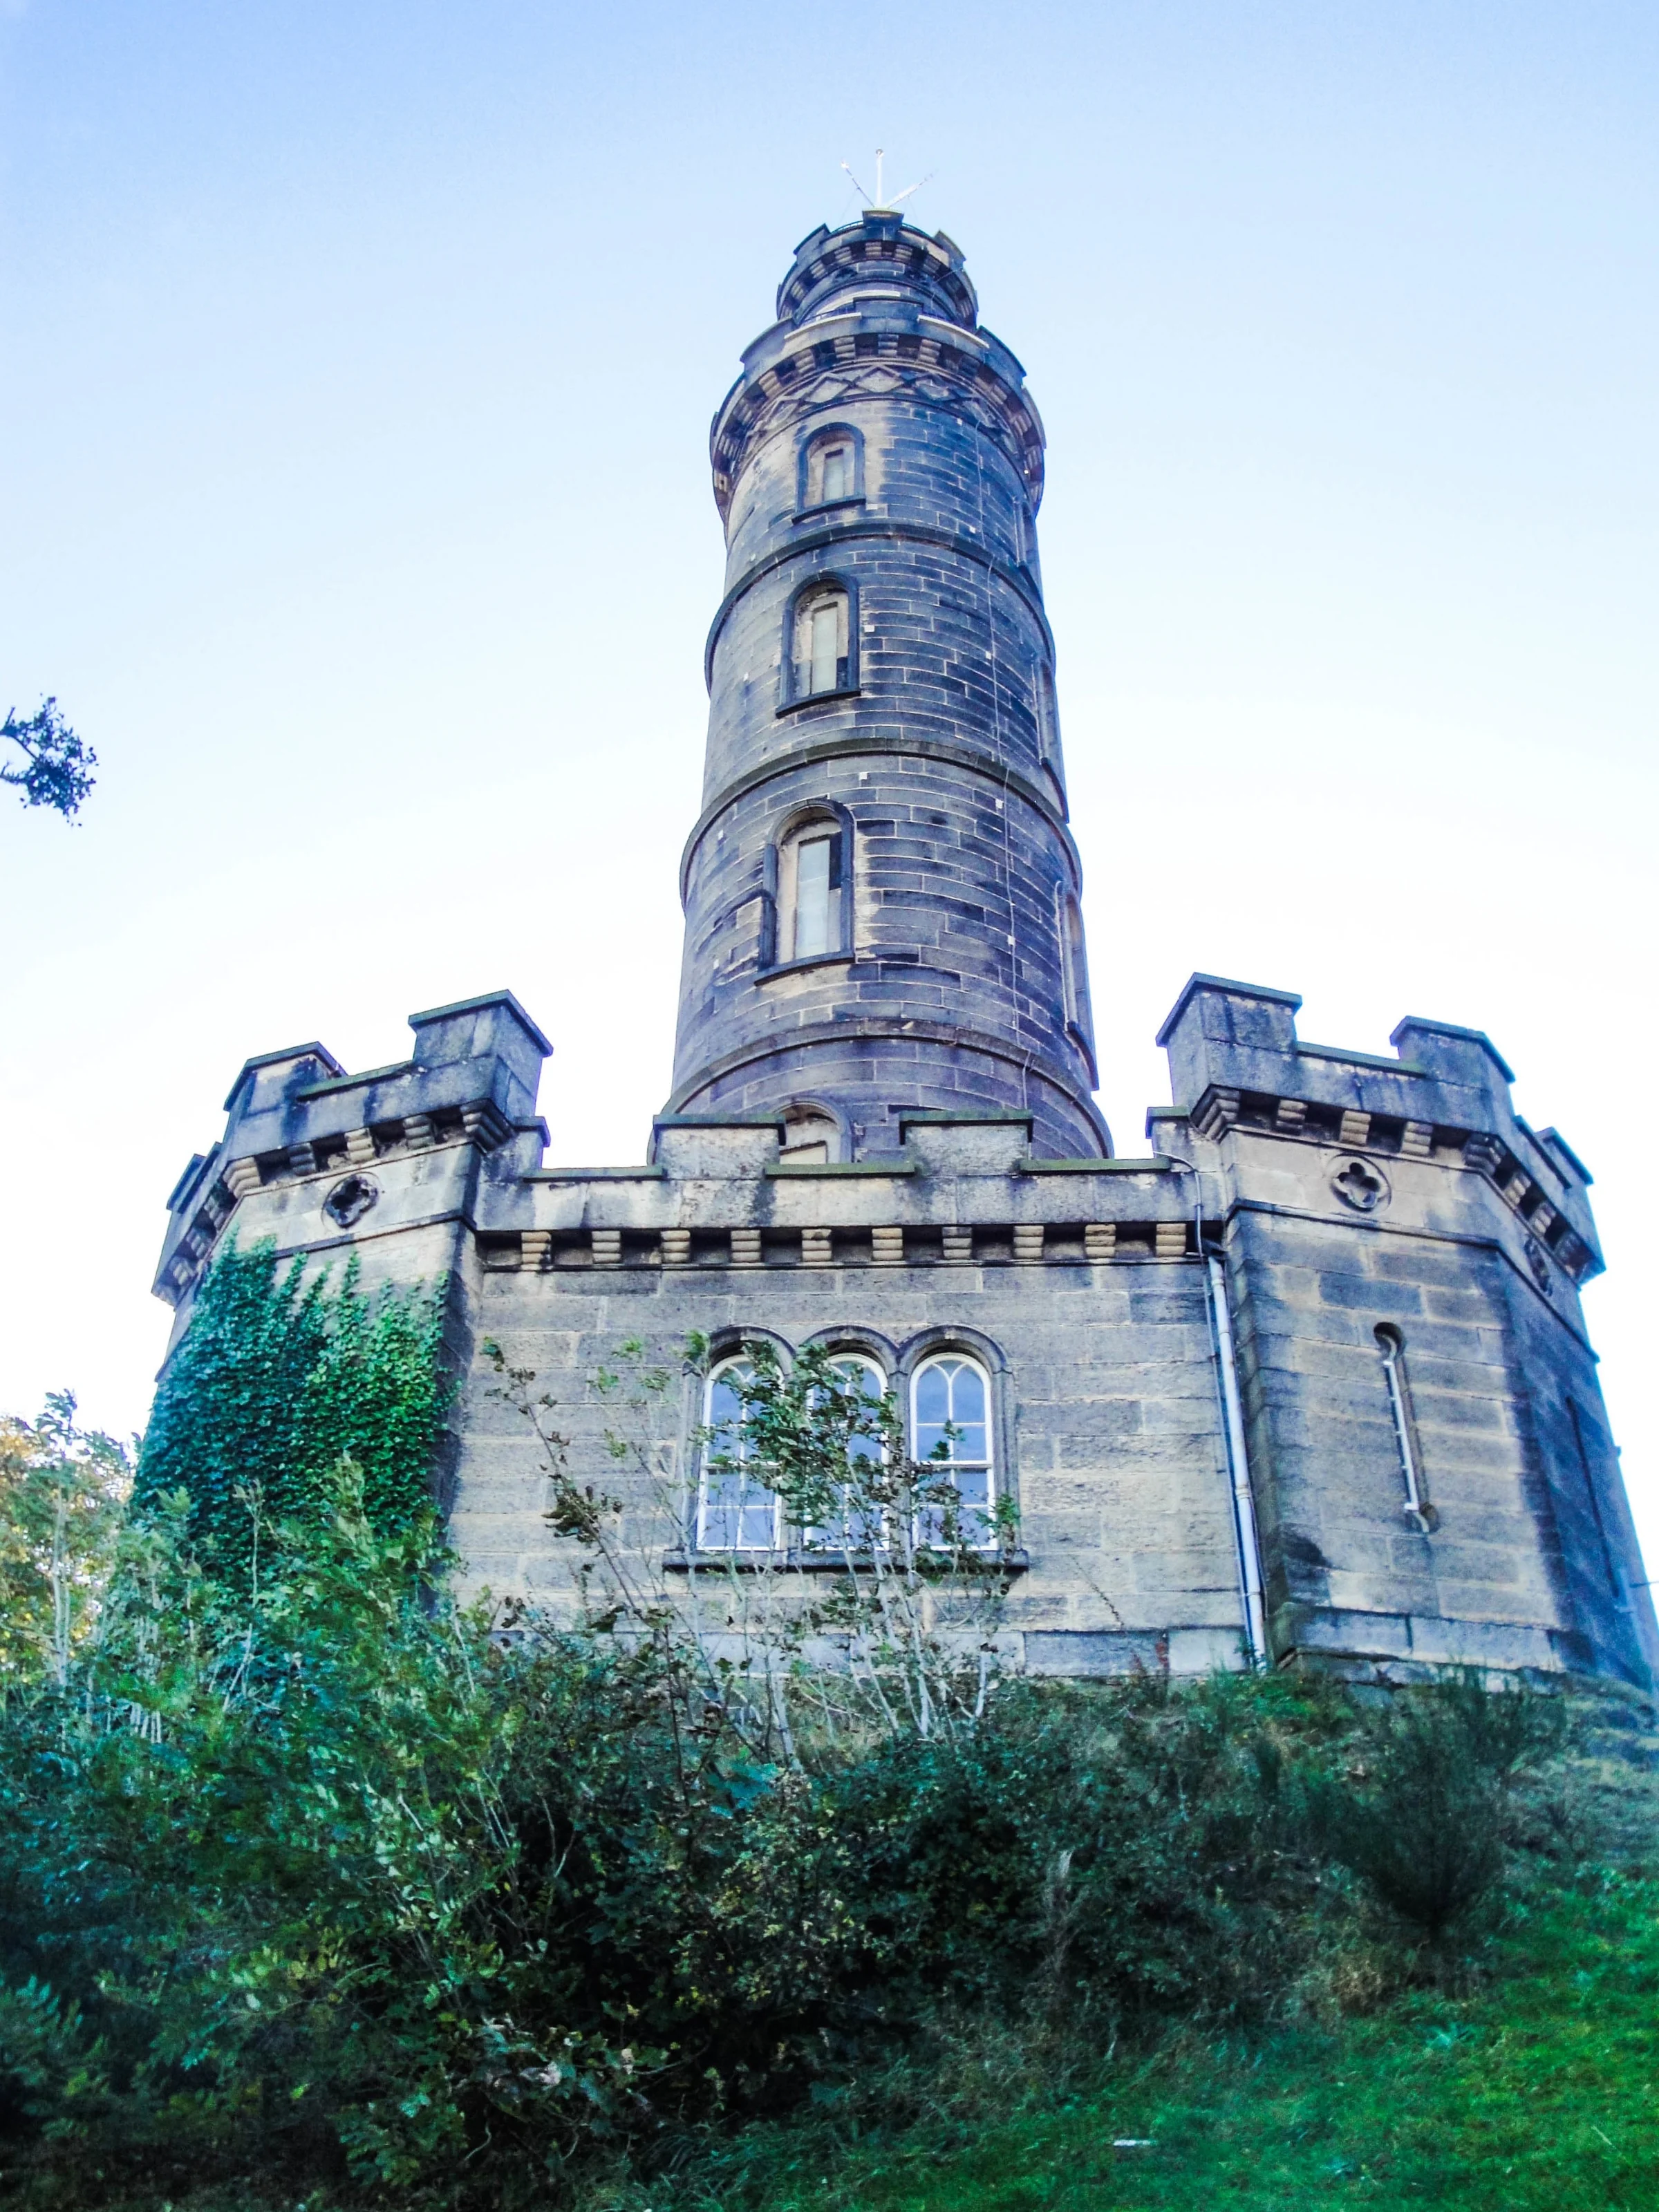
{"x":1048,"y":717}
{"x":1073,"y":968}
{"x":950,"y":1430}
{"x":810,"y":892}
{"x":1392,"y":1347}
{"x":830,"y":468}
{"x":821,"y":660}
{"x":736,"y":1510}
{"x":858,"y":1525}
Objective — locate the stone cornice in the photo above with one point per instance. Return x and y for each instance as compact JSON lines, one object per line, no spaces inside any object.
{"x":870,"y":744}
{"x":922,"y":533}
{"x":1221,"y":1109}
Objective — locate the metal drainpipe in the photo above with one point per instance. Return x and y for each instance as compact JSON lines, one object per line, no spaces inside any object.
{"x":1249,"y":1545}
{"x":1245,"y":1537}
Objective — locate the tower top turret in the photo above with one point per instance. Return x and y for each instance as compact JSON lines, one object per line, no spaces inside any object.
{"x":880,"y":250}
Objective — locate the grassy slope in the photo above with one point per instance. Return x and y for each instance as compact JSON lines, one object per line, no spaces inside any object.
{"x":1542,"y":2092}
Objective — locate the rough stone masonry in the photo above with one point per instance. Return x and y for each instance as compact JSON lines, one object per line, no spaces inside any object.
{"x":1309,"y":1381}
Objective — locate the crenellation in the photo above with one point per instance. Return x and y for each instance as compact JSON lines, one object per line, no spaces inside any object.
{"x":881,"y":1133}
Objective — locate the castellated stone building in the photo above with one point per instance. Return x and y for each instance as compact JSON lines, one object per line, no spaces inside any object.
{"x":1306,"y":1381}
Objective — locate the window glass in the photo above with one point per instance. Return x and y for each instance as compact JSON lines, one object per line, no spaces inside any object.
{"x":810,"y":883}
{"x":736,"y":1512}
{"x":837,"y":474}
{"x":821,"y":650}
{"x":812,"y":897}
{"x":826,"y":637}
{"x":1392,"y":1347}
{"x":953,"y":1393}
{"x":859,"y":1526}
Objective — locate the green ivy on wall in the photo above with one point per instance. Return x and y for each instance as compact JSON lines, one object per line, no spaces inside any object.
{"x":276,"y":1380}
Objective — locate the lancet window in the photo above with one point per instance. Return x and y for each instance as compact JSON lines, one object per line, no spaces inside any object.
{"x":737,"y":1511}
{"x":1392,"y":1347}
{"x":811,"y":891}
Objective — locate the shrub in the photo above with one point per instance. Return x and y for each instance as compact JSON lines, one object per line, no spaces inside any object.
{"x":1423,"y":1811}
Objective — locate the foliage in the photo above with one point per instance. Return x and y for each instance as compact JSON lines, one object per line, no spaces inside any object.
{"x":62,"y":1492}
{"x":57,"y":767}
{"x":1529,"y":2091}
{"x":277,"y":1379}
{"x":883,"y":1612}
{"x":1424,"y":1810}
{"x":315,"y":1880}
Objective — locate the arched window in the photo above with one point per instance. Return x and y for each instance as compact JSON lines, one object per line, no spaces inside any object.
{"x":1391,"y":1344}
{"x":950,"y":1430}
{"x":859,"y":1525}
{"x":736,"y":1510}
{"x":810,"y":888}
{"x":830,"y":468}
{"x":821,"y":660}
{"x":811,"y":1137}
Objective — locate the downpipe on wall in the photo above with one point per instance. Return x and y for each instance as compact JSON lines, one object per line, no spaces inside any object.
{"x":1246,"y":1538}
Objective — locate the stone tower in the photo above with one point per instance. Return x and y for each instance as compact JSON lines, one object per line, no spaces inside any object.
{"x":1309,"y":1382}
{"x":881,"y":892}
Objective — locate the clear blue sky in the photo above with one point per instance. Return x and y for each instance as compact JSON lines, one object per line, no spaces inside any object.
{"x":357,"y":367}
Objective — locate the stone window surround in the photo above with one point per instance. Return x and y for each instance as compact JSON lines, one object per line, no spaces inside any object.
{"x":898,"y":1366}
{"x":798,"y":817}
{"x":790,"y":700}
{"x":825,"y":434}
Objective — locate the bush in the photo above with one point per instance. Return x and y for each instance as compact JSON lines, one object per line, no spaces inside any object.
{"x":1423,"y":1811}
{"x":311,"y":1873}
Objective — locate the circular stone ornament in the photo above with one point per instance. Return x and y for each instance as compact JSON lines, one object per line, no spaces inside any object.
{"x":1360,"y":1183}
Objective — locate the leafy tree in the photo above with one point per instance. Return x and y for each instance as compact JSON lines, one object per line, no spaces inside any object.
{"x":63,"y":1490}
{"x":57,"y":767}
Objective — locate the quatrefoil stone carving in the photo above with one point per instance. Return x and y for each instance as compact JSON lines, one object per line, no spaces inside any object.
{"x":1360,"y":1184}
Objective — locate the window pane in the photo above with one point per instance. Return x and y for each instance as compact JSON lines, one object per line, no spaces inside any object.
{"x":836,"y":473}
{"x":826,"y":627}
{"x":812,"y":903}
{"x":858,"y":1527}
{"x":738,"y":1513}
{"x":953,"y":1393}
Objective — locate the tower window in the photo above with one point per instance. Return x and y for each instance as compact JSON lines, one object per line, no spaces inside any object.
{"x":736,"y":1510}
{"x":809,"y":903}
{"x":1073,"y":968}
{"x":950,"y":1430}
{"x":1391,"y":1344}
{"x":821,"y":643}
{"x":818,"y":896}
{"x":830,"y":468}
{"x":811,"y":1138}
{"x":1047,"y":719}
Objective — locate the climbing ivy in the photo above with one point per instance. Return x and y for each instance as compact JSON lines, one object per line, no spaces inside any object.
{"x":276,"y":1381}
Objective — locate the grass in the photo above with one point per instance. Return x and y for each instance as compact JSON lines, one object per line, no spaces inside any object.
{"x":1541,"y":2090}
